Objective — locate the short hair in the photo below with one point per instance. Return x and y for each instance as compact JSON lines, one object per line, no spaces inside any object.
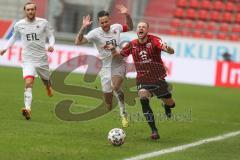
{"x":24,"y":8}
{"x":102,"y":14}
{"x":145,"y":23}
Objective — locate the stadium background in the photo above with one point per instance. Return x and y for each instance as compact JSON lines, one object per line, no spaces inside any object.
{"x":200,"y":31}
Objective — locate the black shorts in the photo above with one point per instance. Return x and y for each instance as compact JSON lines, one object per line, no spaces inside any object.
{"x":161,"y":89}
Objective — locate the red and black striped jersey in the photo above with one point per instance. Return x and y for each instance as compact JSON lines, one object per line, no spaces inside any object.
{"x":147,"y":59}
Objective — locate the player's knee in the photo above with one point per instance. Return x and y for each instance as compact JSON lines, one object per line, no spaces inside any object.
{"x":143,"y":93}
{"x":169,"y":102}
{"x":115,"y":88}
{"x":171,"y":105}
{"x":29,"y":83}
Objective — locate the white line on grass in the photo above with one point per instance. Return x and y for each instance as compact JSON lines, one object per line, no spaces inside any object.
{"x":183,"y":147}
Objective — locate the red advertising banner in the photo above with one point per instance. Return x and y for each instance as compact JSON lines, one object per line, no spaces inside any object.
{"x":228,"y":74}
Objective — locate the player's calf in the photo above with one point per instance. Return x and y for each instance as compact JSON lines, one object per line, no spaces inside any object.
{"x":148,"y":113}
{"x":108,"y":100}
{"x":116,"y":87}
{"x":123,"y":113}
{"x":119,"y":94}
{"x":26,"y":112}
{"x":48,"y":85}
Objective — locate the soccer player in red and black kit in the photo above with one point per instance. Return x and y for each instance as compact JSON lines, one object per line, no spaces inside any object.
{"x":151,"y":72}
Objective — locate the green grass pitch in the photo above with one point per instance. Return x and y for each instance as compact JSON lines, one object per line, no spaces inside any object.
{"x":207,"y":111}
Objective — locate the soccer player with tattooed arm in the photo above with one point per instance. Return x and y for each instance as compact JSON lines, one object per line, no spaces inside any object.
{"x":151,"y":72}
{"x":113,"y":71}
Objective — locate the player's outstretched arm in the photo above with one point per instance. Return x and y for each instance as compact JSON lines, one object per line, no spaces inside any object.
{"x":169,"y":50}
{"x":85,"y":23}
{"x":124,"y":11}
{"x":51,"y":38}
{"x":166,"y":48}
{"x":116,"y":51}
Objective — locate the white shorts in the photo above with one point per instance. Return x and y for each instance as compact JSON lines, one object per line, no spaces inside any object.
{"x":31,"y":70}
{"x":106,"y":75}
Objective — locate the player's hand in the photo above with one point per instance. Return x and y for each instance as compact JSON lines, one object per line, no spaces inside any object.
{"x":122,"y":9}
{"x":2,"y":51}
{"x":86,"y":21}
{"x":50,"y":49}
{"x":108,"y":47}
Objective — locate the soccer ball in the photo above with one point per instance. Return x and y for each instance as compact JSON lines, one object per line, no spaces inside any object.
{"x":116,"y":136}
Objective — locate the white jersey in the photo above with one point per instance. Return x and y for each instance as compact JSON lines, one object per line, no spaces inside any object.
{"x":101,"y":38}
{"x":33,"y":36}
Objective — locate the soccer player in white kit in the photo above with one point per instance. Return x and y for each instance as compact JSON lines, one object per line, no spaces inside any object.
{"x":33,"y":32}
{"x":113,"y":70}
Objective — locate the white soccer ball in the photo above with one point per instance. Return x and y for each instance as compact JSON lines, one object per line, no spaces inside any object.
{"x":116,"y":136}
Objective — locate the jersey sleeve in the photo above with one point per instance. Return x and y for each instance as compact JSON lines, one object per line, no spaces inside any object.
{"x":91,"y":36}
{"x":50,"y":34}
{"x":159,"y":43}
{"x":14,"y":37}
{"x":127,"y":50}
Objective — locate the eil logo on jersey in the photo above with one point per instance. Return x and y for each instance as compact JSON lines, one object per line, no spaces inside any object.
{"x":32,"y":37}
{"x":228,"y":74}
{"x":148,"y":45}
{"x":112,"y":41}
{"x":38,"y":26}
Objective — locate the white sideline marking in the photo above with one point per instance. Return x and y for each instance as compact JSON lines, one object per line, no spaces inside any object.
{"x":183,"y":147}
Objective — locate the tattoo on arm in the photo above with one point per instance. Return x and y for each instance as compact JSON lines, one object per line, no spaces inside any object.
{"x":129,"y":22}
{"x":80,"y":34}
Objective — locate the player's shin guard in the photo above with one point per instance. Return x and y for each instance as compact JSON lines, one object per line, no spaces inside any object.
{"x":120,"y":97}
{"x":148,"y":113}
{"x":28,"y":98}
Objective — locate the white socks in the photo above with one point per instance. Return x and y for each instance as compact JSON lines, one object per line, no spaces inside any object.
{"x":120,"y":103}
{"x":122,"y":109}
{"x":28,"y":98}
